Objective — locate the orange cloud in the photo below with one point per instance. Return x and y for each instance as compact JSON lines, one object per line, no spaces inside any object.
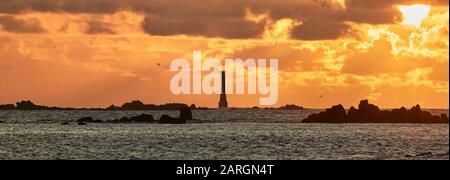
{"x":74,"y":53}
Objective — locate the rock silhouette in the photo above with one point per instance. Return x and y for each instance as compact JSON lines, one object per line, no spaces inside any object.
{"x":185,"y":114}
{"x":28,"y":105}
{"x":138,"y":105}
{"x":1,"y":122}
{"x":132,"y":106}
{"x":370,"y":113}
{"x":444,"y":117}
{"x":143,"y":118}
{"x":291,"y":107}
{"x":7,"y":107}
{"x":89,"y":120}
{"x":112,"y":108}
{"x":335,"y":114}
{"x":81,"y":123}
{"x":98,"y":121}
{"x":124,"y":120}
{"x":166,"y":119}
{"x":85,"y":120}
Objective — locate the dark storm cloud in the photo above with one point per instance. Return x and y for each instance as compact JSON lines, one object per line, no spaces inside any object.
{"x":226,"y":18}
{"x":12,"y":24}
{"x":328,"y":30}
{"x":226,"y":28}
{"x":69,"y":6}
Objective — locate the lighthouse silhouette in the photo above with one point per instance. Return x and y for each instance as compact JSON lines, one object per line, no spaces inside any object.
{"x":223,"y":96}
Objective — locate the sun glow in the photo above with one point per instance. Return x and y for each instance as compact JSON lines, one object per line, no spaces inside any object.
{"x":414,"y":14}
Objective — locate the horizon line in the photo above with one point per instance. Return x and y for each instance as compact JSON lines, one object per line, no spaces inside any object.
{"x":198,"y":107}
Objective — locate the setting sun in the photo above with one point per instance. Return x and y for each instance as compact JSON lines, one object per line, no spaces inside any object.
{"x":414,"y":15}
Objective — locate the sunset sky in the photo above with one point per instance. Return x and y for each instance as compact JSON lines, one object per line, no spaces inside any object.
{"x":94,"y":53}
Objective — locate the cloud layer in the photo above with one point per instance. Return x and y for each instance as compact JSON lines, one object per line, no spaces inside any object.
{"x":320,"y":19}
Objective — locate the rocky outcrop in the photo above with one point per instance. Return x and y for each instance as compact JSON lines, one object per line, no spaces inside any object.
{"x":166,"y":119}
{"x":335,"y":114}
{"x":124,"y":120}
{"x":291,"y":107}
{"x":366,"y":113}
{"x":28,"y":105}
{"x":89,"y":120}
{"x":134,"y":105}
{"x":143,"y":118}
{"x":370,"y":113}
{"x":138,"y":105}
{"x":85,"y":120}
{"x":7,"y":107}
{"x":81,"y":123}
{"x":185,"y":114}
{"x":1,"y":122}
{"x":444,"y":118}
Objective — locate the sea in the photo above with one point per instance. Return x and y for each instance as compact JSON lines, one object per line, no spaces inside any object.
{"x":240,"y":134}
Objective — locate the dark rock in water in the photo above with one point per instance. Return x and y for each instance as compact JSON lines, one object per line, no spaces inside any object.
{"x":353,"y":115}
{"x":112,"y":108}
{"x":7,"y":107}
{"x":81,"y":123}
{"x":165,"y":119}
{"x":369,"y":113}
{"x":143,"y":118}
{"x":86,"y":120}
{"x":393,"y":116}
{"x":413,"y":114}
{"x":65,"y":123}
{"x":89,"y":120}
{"x":185,"y":114}
{"x":291,"y":107}
{"x":27,"y":105}
{"x":444,"y":118}
{"x":98,"y":121}
{"x":336,"y":114}
{"x":1,"y":122}
{"x":124,"y":120}
{"x":134,"y":105}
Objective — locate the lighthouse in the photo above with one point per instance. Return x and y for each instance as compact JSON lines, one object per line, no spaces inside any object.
{"x":223,"y":103}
